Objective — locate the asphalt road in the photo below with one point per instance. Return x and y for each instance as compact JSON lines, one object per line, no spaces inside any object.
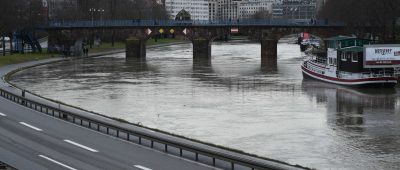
{"x":33,"y":140}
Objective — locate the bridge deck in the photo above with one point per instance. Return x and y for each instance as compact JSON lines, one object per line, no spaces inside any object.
{"x":194,"y":23}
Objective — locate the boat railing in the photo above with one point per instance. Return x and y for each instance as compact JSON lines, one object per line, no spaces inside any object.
{"x":317,"y":60}
{"x":397,"y":71}
{"x":320,"y":60}
{"x":381,"y":74}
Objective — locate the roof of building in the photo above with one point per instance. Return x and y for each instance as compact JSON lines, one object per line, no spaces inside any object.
{"x":183,"y":12}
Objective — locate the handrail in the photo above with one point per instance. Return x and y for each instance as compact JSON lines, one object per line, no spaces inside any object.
{"x":105,"y":127}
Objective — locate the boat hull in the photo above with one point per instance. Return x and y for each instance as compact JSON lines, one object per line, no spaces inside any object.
{"x":386,"y":82}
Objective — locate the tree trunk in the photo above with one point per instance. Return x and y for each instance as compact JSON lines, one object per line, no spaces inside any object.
{"x":113,"y":38}
{"x":394,"y":30}
{"x":4,"y":44}
{"x":11,"y":44}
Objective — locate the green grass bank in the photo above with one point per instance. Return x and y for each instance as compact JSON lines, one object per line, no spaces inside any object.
{"x":104,"y":47}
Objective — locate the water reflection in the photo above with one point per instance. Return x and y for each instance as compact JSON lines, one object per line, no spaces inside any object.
{"x":138,"y":65}
{"x":362,"y":118}
{"x":269,"y":66}
{"x":348,"y":105}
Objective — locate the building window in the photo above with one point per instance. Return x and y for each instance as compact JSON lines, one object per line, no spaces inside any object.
{"x":354,"y":57}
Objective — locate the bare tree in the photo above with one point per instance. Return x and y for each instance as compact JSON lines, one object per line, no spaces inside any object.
{"x":376,"y":16}
{"x":122,"y":9}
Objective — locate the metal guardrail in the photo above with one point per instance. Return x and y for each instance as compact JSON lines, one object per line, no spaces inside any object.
{"x":6,"y":166}
{"x":149,"y":140}
{"x":193,"y":23}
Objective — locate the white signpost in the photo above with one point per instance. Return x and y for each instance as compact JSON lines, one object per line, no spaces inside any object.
{"x":382,"y":56}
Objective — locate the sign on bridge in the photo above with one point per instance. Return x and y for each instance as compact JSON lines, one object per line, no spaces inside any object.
{"x":148,"y":31}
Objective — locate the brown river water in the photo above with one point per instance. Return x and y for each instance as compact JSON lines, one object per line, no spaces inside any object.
{"x":235,"y":102}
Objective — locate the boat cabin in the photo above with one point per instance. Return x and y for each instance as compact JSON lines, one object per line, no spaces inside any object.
{"x":351,"y":59}
{"x":346,"y":53}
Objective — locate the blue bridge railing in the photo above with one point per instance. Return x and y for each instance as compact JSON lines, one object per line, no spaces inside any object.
{"x":193,"y":23}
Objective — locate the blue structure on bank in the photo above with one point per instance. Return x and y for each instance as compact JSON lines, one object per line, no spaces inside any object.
{"x":25,"y":41}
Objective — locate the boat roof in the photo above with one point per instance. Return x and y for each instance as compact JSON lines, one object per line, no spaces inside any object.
{"x":341,"y":37}
{"x":338,"y":38}
{"x":352,"y":49}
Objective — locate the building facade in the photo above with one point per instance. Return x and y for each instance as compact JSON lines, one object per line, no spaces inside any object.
{"x":248,"y":8}
{"x":228,"y":9}
{"x":198,"y":9}
{"x":213,"y":9}
{"x":219,"y":9}
{"x":295,"y":9}
{"x":237,"y":9}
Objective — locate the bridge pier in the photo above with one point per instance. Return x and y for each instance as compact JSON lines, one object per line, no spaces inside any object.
{"x":53,"y":41}
{"x":269,"y":53}
{"x":136,"y":48}
{"x":201,"y":49}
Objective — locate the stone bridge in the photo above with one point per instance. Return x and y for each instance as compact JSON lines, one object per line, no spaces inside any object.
{"x":202,"y":33}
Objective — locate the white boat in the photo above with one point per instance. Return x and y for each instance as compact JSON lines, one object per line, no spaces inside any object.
{"x":355,"y":62}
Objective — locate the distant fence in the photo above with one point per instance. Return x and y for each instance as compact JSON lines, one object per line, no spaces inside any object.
{"x":142,"y":138}
{"x":194,"y":23}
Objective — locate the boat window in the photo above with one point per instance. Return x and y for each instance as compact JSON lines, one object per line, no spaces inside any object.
{"x":343,"y":56}
{"x":354,"y":57}
{"x":348,"y":55}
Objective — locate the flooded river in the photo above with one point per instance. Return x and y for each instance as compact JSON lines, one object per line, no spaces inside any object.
{"x":236,"y":103}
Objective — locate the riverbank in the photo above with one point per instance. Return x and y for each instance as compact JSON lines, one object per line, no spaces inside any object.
{"x":103,"y":48}
{"x":20,"y":58}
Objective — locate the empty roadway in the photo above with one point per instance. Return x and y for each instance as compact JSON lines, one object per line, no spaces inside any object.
{"x":32,"y":140}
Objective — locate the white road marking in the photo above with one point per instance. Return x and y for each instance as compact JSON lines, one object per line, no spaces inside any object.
{"x":142,"y":167}
{"x":58,"y":163}
{"x":81,"y":146}
{"x":2,"y":114}
{"x":113,"y":137}
{"x":30,"y":126}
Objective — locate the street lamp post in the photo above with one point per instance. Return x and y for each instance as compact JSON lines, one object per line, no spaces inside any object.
{"x":100,"y":11}
{"x":92,"y":10}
